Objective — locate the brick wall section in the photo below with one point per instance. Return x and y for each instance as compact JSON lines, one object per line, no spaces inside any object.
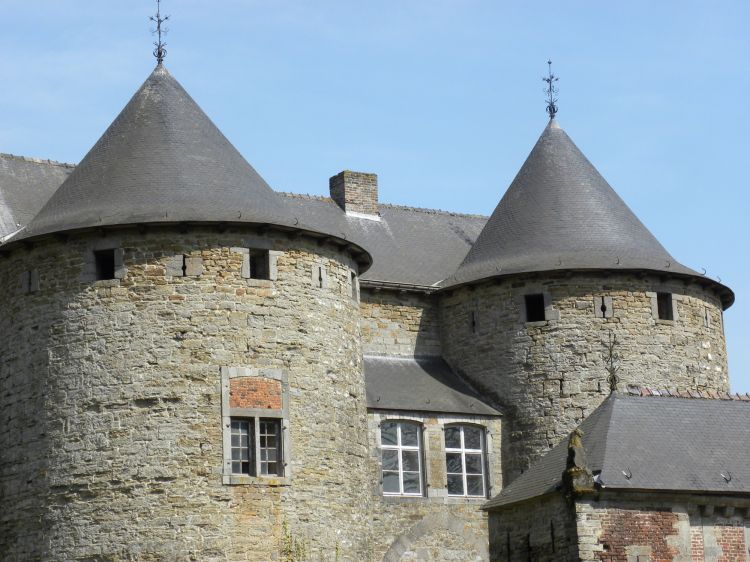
{"x":696,"y":544}
{"x":732,"y":543}
{"x":254,"y":392}
{"x":355,"y":191}
{"x":548,"y":376}
{"x":404,"y":324}
{"x":618,"y":526}
{"x":623,"y":528}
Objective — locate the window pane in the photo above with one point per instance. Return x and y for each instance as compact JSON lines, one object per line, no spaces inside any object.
{"x":473,"y":464}
{"x":409,"y":434}
{"x":390,"y":459}
{"x":269,"y":444}
{"x":475,"y":485}
{"x":472,"y":438}
{"x":388,"y":433}
{"x":410,"y":460}
{"x":453,"y":462}
{"x":236,"y":454}
{"x":235,"y":440}
{"x":455,"y":485}
{"x":411,"y":483}
{"x":236,"y":467}
{"x":453,"y":437}
{"x":390,"y":482}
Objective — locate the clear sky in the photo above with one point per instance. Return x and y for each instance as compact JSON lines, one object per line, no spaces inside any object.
{"x":443,"y":99}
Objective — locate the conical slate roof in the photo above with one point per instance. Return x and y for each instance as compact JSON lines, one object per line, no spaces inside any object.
{"x":560,"y":213}
{"x":161,"y":160}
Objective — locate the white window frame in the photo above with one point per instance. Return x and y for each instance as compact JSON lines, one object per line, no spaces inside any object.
{"x":400,"y":448}
{"x":463,"y":451}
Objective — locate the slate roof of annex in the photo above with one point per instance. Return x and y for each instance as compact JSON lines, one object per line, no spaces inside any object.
{"x":25,"y":185}
{"x":424,"y":384}
{"x":665,"y":441}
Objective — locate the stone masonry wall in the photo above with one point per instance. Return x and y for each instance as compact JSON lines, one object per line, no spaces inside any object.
{"x":548,"y":376}
{"x":628,"y":528}
{"x":111,"y":437}
{"x":434,"y":527}
{"x":542,"y":530}
{"x":396,"y":323}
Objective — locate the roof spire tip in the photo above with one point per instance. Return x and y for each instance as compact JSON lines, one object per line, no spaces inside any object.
{"x":551,"y":91}
{"x":160,"y":51}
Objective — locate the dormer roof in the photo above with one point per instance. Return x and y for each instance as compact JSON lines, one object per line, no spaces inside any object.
{"x":162,"y":160}
{"x":559,"y":213}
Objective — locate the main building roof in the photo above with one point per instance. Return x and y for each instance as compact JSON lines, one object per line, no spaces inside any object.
{"x":25,"y":184}
{"x":560,"y":213}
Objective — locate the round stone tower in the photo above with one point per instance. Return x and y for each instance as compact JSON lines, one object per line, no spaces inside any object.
{"x":565,"y":287}
{"x":180,"y":365}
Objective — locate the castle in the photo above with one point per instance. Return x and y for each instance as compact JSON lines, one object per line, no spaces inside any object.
{"x":196,"y":367}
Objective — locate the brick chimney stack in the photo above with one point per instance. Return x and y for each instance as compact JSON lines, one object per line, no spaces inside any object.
{"x":355,"y":192}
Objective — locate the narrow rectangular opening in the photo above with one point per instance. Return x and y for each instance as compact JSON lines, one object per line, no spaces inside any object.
{"x":354,"y":286}
{"x":105,"y":264}
{"x":534,"y":307}
{"x":260,"y":266}
{"x":664,"y":306}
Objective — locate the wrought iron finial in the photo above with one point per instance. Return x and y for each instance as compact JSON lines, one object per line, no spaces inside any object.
{"x":551,"y":91}
{"x":160,"y":52}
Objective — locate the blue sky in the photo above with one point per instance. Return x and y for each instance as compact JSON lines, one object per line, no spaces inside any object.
{"x":443,"y":99}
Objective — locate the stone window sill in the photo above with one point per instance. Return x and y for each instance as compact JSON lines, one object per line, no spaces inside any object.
{"x":537,"y":324}
{"x":664,"y":322}
{"x":270,"y":481}
{"x":104,"y":283}
{"x":433,"y":499}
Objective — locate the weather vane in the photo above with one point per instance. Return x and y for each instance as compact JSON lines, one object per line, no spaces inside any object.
{"x":160,"y":52}
{"x":551,"y":91}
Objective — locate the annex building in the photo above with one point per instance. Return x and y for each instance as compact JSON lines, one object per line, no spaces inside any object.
{"x":194,"y":366}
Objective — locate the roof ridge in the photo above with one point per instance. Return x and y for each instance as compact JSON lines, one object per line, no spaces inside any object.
{"x":36,"y":160}
{"x":432,"y":211}
{"x":636,"y":390}
{"x":387,"y":205}
{"x":304,"y":196}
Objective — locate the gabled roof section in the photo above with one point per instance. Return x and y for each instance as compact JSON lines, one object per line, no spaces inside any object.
{"x":560,"y":213}
{"x":421,"y":384}
{"x":161,"y":160}
{"x":25,"y":185}
{"x":656,"y":443}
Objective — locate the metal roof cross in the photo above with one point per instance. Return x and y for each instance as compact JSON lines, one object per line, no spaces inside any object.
{"x":551,"y":91}
{"x":160,"y":52}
